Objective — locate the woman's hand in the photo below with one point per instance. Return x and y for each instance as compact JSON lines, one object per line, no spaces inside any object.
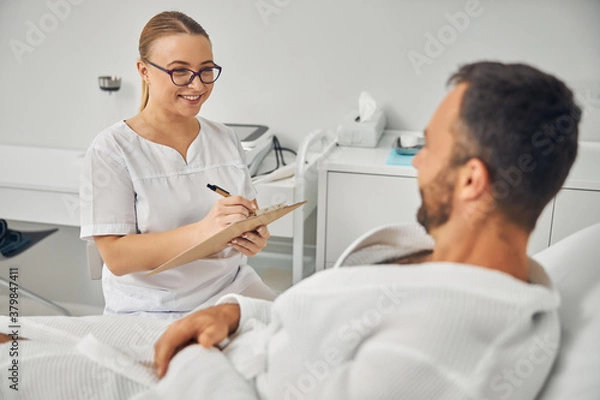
{"x":208,"y":327}
{"x":251,"y":243}
{"x":225,"y":212}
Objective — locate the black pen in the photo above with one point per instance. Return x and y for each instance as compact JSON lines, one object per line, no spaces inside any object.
{"x":219,"y":190}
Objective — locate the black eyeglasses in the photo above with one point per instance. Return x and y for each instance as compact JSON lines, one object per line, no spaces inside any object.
{"x":184,"y":76}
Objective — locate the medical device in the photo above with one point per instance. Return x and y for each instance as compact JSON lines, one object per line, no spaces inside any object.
{"x":256,"y":140}
{"x":408,"y":144}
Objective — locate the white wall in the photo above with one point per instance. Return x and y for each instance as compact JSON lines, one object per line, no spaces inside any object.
{"x":296,"y":69}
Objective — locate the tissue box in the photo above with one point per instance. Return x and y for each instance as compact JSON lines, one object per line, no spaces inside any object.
{"x":353,"y":132}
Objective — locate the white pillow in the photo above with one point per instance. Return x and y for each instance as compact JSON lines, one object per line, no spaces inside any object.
{"x":574,"y":266}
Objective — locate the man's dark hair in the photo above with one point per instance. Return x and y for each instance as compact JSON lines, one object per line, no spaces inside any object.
{"x":523,"y":124}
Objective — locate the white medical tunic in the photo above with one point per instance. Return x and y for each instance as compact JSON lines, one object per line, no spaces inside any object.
{"x":130,"y":185}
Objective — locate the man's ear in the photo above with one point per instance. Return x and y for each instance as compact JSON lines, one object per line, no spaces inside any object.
{"x":473,"y":180}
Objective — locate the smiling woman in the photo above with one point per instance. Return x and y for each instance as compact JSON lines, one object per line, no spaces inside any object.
{"x":144,"y":197}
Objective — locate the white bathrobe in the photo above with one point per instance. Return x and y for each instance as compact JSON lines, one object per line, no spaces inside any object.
{"x":428,"y":331}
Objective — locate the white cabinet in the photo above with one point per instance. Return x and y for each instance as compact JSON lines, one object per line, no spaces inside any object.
{"x":540,"y":237}
{"x":573,"y":211}
{"x":577,"y":205}
{"x":358,"y":192}
{"x":353,"y":196}
{"x":40,"y":184}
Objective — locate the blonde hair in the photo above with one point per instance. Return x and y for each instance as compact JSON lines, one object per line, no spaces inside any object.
{"x":164,"y":24}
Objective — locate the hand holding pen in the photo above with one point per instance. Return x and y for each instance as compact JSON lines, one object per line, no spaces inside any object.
{"x":231,"y":209}
{"x":225,"y":193}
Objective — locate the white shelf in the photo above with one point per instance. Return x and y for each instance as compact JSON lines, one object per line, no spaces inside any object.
{"x":40,"y":168}
{"x":39,"y":184}
{"x":362,"y":160}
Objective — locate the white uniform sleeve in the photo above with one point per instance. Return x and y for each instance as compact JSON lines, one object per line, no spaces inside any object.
{"x":250,"y":308}
{"x":107,"y":197}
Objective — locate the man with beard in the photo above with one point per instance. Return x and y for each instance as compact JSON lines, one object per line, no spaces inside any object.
{"x":468,"y":315}
{"x":476,"y":320}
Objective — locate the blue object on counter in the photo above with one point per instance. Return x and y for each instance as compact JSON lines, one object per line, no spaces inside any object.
{"x":399,"y":159}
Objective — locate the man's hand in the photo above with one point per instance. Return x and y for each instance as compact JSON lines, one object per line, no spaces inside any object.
{"x":207,"y":327}
{"x":9,"y":338}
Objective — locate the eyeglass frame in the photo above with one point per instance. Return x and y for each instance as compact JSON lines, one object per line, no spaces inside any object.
{"x":194,"y":73}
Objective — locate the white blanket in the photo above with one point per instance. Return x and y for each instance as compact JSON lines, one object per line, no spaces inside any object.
{"x":435,"y":331}
{"x":81,"y":358}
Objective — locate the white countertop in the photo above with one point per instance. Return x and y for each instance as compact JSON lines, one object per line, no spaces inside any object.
{"x":39,"y":184}
{"x":368,"y":160}
{"x":53,"y":174}
{"x":51,"y":169}
{"x":585,"y":174}
{"x":40,"y":168}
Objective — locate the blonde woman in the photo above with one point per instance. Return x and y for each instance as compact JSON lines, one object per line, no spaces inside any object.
{"x":143,"y":190}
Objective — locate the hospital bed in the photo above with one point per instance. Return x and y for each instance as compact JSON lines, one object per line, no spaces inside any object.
{"x":572,"y":264}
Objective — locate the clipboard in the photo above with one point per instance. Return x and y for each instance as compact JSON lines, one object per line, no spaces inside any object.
{"x":220,"y":240}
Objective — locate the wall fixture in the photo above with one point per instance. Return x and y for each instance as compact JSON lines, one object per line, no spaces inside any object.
{"x":109,"y":83}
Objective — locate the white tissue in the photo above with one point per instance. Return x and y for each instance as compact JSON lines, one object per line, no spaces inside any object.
{"x":366,"y":107}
